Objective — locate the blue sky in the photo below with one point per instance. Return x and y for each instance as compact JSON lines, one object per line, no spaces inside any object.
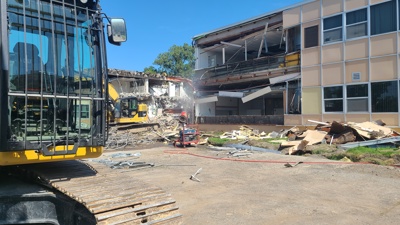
{"x":156,"y":25}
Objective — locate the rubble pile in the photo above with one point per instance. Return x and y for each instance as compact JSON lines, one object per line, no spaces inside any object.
{"x":167,"y":129}
{"x":167,"y":122}
{"x":118,"y":139}
{"x":139,"y":95}
{"x":135,"y":74}
{"x":352,"y":134}
{"x":343,"y":135}
{"x":247,"y":133}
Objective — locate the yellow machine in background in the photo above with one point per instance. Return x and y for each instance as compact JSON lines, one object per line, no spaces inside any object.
{"x":125,"y":110}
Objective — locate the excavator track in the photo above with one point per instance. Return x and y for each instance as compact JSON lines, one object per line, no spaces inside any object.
{"x":111,"y":196}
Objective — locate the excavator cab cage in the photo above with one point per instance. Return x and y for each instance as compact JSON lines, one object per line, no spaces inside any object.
{"x":52,"y":76}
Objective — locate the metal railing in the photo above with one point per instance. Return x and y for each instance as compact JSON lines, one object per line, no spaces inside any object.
{"x":254,"y":65}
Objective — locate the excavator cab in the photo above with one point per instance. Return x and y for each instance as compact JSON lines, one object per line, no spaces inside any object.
{"x":129,"y":110}
{"x":53,"y":76}
{"x":124,"y":110}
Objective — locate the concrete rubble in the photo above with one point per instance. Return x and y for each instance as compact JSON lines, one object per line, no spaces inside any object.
{"x":167,"y":130}
{"x":119,"y":139}
{"x":136,"y":74}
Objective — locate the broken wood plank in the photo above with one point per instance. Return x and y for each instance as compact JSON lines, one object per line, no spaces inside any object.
{"x":290,"y":143}
{"x":371,"y":130}
{"x":318,"y":122}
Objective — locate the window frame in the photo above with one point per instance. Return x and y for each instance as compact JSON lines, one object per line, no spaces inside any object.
{"x":367,"y":22}
{"x":307,"y":38}
{"x":371,"y":20}
{"x":369,"y":97}
{"x":357,"y":98}
{"x":333,"y":99}
{"x":397,"y":85}
{"x":340,"y":28}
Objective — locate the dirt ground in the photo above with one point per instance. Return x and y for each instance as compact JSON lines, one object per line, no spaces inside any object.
{"x":260,"y":189}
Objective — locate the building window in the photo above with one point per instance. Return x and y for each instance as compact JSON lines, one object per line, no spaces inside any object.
{"x":356,"y":24}
{"x":333,"y":99}
{"x":383,"y":18}
{"x":83,"y":110}
{"x":357,"y":98}
{"x":311,"y":36}
{"x":293,"y":39}
{"x":333,"y":29}
{"x":384,"y":96}
{"x":212,"y":60}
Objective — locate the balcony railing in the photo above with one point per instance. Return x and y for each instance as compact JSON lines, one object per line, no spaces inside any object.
{"x":255,"y":65}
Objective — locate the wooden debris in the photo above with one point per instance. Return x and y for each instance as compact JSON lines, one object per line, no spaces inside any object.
{"x":371,"y":130}
{"x":302,"y":145}
{"x":290,"y":143}
{"x":318,"y":122}
{"x":380,"y":122}
{"x":314,"y":136}
{"x":193,"y":177}
{"x":288,"y":165}
{"x":344,"y":137}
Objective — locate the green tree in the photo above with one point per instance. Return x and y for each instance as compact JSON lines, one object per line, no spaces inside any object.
{"x":150,"y":70}
{"x":178,"y":61}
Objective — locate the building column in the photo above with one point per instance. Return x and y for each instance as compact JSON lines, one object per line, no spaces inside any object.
{"x":223,"y":56}
{"x":181,"y":91}
{"x":171,"y":89}
{"x":146,"y":86}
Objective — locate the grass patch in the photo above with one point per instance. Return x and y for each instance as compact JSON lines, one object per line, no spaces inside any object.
{"x":270,"y":140}
{"x":217,"y":141}
{"x":380,"y":156}
{"x":386,"y":152}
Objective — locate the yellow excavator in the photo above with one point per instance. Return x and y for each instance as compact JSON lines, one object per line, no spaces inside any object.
{"x":126,"y":112}
{"x":53,"y":115}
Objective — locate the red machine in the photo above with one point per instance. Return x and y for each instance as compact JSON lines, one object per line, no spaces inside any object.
{"x":189,"y":134}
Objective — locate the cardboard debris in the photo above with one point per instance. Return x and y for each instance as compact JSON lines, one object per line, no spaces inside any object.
{"x":342,"y":133}
{"x":314,"y":136}
{"x":290,"y":143}
{"x":335,"y":133}
{"x":371,"y":130}
{"x":309,"y":137}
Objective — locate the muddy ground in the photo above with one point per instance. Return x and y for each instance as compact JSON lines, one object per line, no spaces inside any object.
{"x":260,"y":189}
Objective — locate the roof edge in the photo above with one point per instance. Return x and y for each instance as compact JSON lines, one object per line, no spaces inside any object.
{"x":199,"y":36}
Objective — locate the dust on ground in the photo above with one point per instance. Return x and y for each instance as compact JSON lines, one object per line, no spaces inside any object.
{"x":263,"y":188}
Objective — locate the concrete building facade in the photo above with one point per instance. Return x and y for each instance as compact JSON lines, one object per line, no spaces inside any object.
{"x":340,"y":61}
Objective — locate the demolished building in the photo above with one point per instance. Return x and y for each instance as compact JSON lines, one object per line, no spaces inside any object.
{"x":323,"y":60}
{"x":161,"y":93}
